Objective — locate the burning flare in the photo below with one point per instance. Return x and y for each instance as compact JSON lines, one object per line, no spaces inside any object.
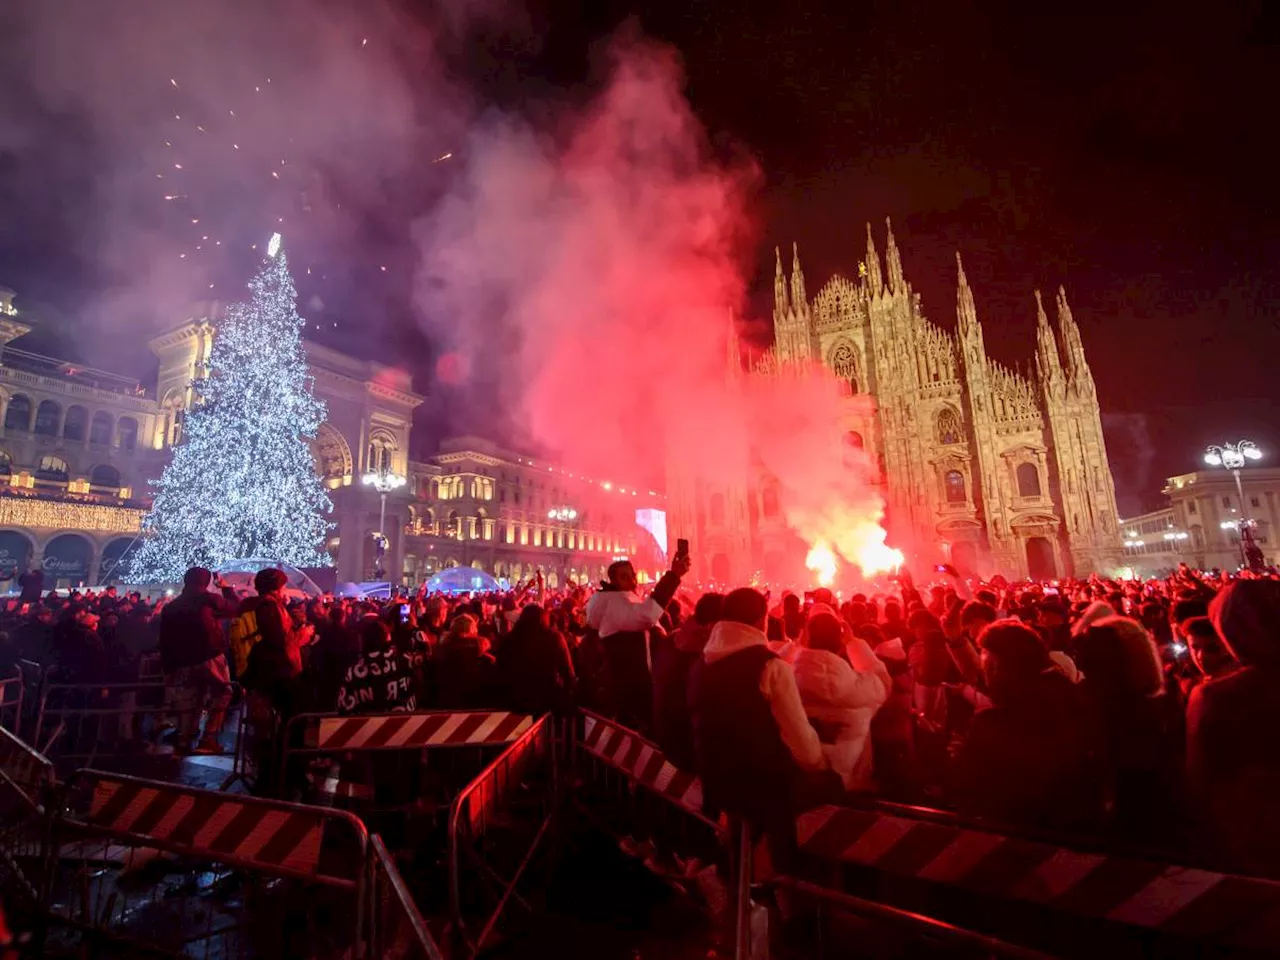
{"x":822,"y":561}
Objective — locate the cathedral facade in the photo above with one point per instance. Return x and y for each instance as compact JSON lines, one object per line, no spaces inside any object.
{"x":995,"y":470}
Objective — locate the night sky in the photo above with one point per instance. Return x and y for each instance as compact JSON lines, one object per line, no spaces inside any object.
{"x":1127,"y":152}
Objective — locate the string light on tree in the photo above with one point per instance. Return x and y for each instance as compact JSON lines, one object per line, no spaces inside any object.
{"x":242,"y":482}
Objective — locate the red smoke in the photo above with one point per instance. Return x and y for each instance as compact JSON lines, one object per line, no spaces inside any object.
{"x":601,"y":274}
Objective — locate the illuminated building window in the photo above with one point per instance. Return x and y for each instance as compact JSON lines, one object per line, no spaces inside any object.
{"x":953,"y":481}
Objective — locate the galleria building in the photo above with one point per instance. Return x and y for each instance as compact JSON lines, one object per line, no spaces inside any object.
{"x":1007,"y":472}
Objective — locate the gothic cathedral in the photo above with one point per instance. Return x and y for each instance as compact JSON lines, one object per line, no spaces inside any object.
{"x":1004,"y":472}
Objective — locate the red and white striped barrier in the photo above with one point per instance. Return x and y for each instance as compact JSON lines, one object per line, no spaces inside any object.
{"x":280,"y":837}
{"x":402,"y":731}
{"x":1183,"y":901}
{"x":642,"y":761}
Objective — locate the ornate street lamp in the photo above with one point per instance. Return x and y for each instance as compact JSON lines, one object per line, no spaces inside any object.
{"x":384,"y":481}
{"x":563,"y":514}
{"x":1233,"y":457}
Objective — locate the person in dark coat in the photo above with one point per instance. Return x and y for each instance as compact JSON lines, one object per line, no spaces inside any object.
{"x":465,"y":671}
{"x":193,"y":657}
{"x":535,"y":668}
{"x":32,"y":584}
{"x":1141,"y":728}
{"x":1031,"y":758}
{"x":672,"y":727}
{"x":275,"y":660}
{"x":1233,"y":745}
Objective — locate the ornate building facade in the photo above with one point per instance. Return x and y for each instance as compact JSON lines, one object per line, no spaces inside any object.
{"x":78,"y":447}
{"x":477,"y":505}
{"x":1004,"y":471}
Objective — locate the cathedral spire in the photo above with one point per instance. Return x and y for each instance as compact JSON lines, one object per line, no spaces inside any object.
{"x":1048,"y":360}
{"x":1072,"y":347}
{"x":966,"y":312}
{"x":893,"y":263}
{"x":798,"y":297}
{"x":734,"y":356}
{"x":874,"y":282}
{"x":779,"y":286}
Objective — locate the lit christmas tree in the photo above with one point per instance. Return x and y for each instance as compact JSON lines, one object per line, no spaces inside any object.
{"x":242,"y":482}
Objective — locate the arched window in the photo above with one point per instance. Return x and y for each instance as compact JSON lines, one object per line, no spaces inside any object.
{"x":53,"y":469}
{"x":100,"y":429}
{"x":76,"y":424}
{"x":104,"y":475}
{"x":18,"y":416}
{"x":716,"y":509}
{"x":381,"y":448}
{"x":854,"y":439}
{"x":1028,"y":480}
{"x":948,"y":426}
{"x":6,"y":464}
{"x":769,"y":499}
{"x":953,"y":481}
{"x":127,"y":433}
{"x":47,"y":416}
{"x":844,"y":364}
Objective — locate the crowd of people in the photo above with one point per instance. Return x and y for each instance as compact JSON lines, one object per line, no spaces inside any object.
{"x":1135,"y":712}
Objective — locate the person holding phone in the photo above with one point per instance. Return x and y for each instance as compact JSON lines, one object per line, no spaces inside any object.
{"x":622,"y":619}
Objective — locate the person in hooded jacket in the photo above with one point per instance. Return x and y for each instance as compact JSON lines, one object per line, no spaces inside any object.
{"x":672,"y":728}
{"x":842,"y":684}
{"x":465,"y":670}
{"x":622,"y":619}
{"x":1141,"y":727}
{"x":1030,"y":759}
{"x":535,"y":669}
{"x":1233,"y":745}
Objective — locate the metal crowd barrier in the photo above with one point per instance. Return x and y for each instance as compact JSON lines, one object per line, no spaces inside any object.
{"x":496,"y":826}
{"x":26,"y":784}
{"x":1033,"y":890}
{"x":384,"y":763}
{"x":911,"y":930}
{"x":12,"y":693}
{"x":396,"y":927}
{"x":225,"y":875}
{"x":627,"y":785}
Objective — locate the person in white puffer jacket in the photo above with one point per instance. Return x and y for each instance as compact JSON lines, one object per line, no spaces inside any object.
{"x":842,"y":685}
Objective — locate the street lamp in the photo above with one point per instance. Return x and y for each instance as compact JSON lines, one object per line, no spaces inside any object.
{"x":384,"y":481}
{"x":1233,"y":457}
{"x":563,"y":514}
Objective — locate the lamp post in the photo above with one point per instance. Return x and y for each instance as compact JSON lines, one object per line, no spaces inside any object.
{"x":384,"y":481}
{"x":1233,"y":457}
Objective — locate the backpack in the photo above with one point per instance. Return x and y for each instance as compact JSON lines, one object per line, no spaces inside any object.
{"x":244,"y":637}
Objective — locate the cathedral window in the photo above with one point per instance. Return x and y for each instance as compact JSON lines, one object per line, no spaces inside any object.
{"x":854,"y":439}
{"x":953,"y":483}
{"x":769,"y":499}
{"x":716,"y":508}
{"x":844,"y":364}
{"x":948,"y":427}
{"x":1028,"y":480}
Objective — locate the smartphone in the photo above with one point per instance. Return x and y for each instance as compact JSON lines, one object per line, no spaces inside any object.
{"x":682,"y":547}
{"x":404,"y":613}
{"x":939,"y":568}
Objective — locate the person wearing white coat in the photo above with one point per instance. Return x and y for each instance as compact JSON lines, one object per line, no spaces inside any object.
{"x":842,"y":684}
